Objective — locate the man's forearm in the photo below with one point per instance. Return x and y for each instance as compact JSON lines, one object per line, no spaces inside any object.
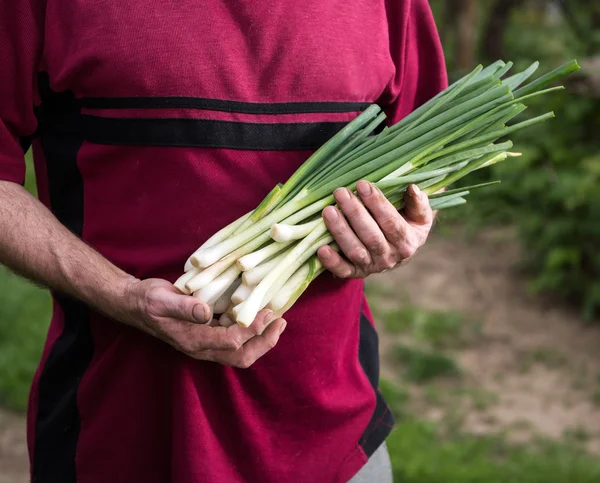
{"x":36,"y":245}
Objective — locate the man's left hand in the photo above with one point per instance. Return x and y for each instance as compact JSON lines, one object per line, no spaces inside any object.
{"x":371,"y":233}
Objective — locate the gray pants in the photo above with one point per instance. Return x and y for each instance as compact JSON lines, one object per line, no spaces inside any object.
{"x":377,"y":470}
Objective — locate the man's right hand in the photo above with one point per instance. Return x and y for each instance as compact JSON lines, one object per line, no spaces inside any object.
{"x":56,"y":258}
{"x":156,"y":307}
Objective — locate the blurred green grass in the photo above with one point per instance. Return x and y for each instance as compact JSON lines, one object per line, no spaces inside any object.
{"x":426,"y":452}
{"x":441,"y":449}
{"x":435,"y":327}
{"x":24,"y":317}
{"x":419,"y":365}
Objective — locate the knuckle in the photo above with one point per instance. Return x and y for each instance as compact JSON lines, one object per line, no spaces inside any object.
{"x":336,"y":227}
{"x":234,"y":344}
{"x":330,"y":264}
{"x":271,"y":342}
{"x":353,"y":211}
{"x":375,"y":244}
{"x":188,"y":347}
{"x":407,"y":250}
{"x":258,"y":326}
{"x":359,"y":255}
{"x":426,"y":214}
{"x":345,"y":272}
{"x":391,"y":224}
{"x":244,"y":363}
{"x":388,"y":263}
{"x":152,"y":303}
{"x":380,"y":250}
{"x":334,"y":262}
{"x":184,"y":311}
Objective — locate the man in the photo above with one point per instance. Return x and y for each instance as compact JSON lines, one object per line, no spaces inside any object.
{"x":153,"y":125}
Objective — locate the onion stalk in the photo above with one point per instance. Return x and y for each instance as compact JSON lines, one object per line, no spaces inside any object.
{"x":447,"y":138}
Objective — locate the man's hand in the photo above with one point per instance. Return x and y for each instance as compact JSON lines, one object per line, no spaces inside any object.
{"x":372,"y":234}
{"x":156,"y":307}
{"x":35,"y":244}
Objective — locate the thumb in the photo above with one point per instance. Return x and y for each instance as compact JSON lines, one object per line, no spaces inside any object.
{"x":416,"y":206}
{"x":186,"y":308}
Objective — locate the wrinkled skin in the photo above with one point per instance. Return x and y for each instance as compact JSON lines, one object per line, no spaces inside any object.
{"x":372,"y":235}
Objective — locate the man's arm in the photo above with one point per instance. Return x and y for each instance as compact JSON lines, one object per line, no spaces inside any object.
{"x":35,"y":244}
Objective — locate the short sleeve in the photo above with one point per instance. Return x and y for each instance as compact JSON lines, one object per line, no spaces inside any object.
{"x":416,"y":50}
{"x":21,"y":42}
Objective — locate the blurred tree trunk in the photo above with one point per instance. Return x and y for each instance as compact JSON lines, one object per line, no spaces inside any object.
{"x":465,"y":12}
{"x":493,"y":41}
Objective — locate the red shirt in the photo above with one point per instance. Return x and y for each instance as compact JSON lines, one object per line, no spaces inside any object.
{"x":154,"y":124}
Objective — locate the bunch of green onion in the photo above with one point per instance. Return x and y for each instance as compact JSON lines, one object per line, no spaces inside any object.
{"x":267,"y":258}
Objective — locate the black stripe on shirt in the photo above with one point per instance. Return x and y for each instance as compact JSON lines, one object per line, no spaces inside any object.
{"x":208,"y":133}
{"x":58,"y":422}
{"x":220,"y":105}
{"x":382,"y":420}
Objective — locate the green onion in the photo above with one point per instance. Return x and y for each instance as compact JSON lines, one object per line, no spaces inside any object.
{"x":446,"y":139}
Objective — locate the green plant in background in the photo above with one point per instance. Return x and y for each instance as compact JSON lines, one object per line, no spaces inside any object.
{"x":436,"y":328}
{"x":419,"y":365}
{"x":430,"y":331}
{"x":551,"y":193}
{"x":24,"y":316}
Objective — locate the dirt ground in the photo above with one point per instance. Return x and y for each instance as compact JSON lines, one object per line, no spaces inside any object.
{"x":537,"y":358}
{"x":14,"y":462}
{"x":541,"y":363}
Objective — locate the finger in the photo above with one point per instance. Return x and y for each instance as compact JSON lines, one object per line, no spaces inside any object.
{"x":347,"y":240}
{"x":233,"y":337}
{"x":252,"y":350}
{"x":333,"y":262}
{"x":193,"y":339}
{"x":416,"y":206}
{"x":184,"y":308}
{"x":363,"y":224}
{"x":394,"y":227}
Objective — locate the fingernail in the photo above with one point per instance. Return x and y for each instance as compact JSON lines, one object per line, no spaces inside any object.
{"x":330,"y":213}
{"x":325,"y":253}
{"x":205,"y":318}
{"x":364,"y":188}
{"x":282,"y":328}
{"x":414,"y":191}
{"x":342,"y":194}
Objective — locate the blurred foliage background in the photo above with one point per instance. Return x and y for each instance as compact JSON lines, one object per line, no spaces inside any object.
{"x":550,"y":193}
{"x":549,"y":197}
